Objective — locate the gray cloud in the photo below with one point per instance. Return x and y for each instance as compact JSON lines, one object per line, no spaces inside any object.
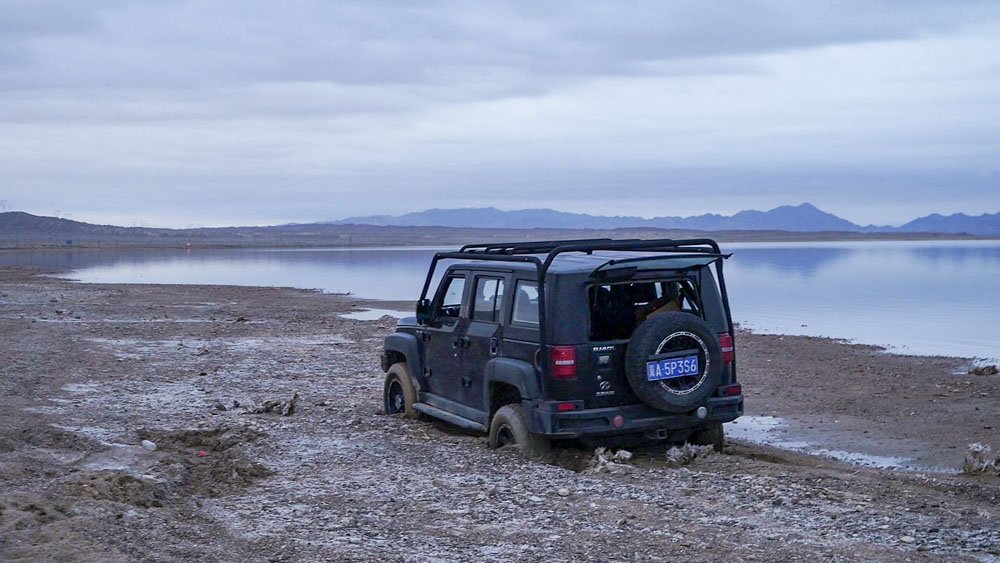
{"x":310,"y":110}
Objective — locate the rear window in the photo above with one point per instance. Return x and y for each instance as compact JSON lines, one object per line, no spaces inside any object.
{"x":617,"y":309}
{"x":525,"y":303}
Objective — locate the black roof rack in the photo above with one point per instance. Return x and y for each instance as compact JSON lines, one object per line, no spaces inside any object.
{"x":555,"y":247}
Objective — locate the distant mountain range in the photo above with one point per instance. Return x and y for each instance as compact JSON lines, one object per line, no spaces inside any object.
{"x":798,"y":218}
{"x":804,"y":218}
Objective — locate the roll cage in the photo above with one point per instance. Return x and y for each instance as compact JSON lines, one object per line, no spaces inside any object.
{"x":527,"y":252}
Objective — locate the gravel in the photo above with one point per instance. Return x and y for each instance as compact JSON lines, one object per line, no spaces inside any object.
{"x":335,"y":479}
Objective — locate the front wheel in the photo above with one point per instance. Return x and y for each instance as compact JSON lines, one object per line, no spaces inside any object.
{"x":509,"y":427}
{"x":399,"y":394}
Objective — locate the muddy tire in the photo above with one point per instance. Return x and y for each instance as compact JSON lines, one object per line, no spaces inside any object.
{"x":673,"y":333}
{"x":399,"y":394}
{"x":509,"y":428}
{"x":713,"y":435}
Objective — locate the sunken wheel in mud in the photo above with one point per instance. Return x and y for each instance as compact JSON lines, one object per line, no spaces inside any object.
{"x":399,"y":392}
{"x":712,"y":435}
{"x":673,"y":361}
{"x":510,"y":428}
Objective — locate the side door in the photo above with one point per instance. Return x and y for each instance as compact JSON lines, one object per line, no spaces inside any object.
{"x":443,"y":338}
{"x":484,"y":335}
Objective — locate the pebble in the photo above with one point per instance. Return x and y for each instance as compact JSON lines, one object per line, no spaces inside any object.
{"x":563,"y":492}
{"x":908,"y":539}
{"x":149,"y":445}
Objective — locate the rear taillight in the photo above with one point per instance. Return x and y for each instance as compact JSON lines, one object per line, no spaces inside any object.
{"x":731,"y":391}
{"x":563,"y":362}
{"x":728,"y":352}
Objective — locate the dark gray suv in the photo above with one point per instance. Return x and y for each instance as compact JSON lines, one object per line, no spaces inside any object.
{"x":604,"y":341}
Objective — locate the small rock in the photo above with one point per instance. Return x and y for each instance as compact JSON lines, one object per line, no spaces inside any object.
{"x":148,"y":445}
{"x":284,"y":407}
{"x":907,"y":539}
{"x":981,"y":370}
{"x":535,"y":499}
{"x":563,"y":492}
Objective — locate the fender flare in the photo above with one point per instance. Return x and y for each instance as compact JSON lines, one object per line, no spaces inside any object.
{"x":407,"y":345}
{"x":519,"y":373}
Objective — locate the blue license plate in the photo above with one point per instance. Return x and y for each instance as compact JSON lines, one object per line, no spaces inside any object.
{"x":671,"y":368}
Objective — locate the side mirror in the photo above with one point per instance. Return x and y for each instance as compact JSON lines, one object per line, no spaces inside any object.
{"x":424,"y":311}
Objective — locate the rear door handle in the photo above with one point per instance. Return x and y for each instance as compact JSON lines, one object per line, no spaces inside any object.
{"x":494,"y":345}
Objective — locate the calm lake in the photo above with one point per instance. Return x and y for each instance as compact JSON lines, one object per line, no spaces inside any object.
{"x":928,"y":297}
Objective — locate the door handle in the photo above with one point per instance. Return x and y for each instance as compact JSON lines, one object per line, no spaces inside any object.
{"x":494,"y":345}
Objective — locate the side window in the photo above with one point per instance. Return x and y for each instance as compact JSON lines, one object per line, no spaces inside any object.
{"x":488,"y":300}
{"x":451,"y":303}
{"x":526,"y":303}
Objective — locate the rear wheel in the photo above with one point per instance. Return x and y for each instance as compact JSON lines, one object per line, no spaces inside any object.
{"x":509,"y":427}
{"x":713,"y":435}
{"x":399,"y":393}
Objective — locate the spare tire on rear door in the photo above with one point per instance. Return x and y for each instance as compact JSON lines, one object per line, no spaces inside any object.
{"x":673,"y":361}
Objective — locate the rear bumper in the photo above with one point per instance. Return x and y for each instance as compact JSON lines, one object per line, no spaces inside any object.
{"x":636,"y":418}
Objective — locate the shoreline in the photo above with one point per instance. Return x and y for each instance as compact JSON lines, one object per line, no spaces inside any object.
{"x":362,"y":237}
{"x":800,"y":347}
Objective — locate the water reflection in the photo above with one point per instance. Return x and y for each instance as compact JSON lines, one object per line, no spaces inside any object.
{"x":918,"y":297}
{"x":804,"y":262}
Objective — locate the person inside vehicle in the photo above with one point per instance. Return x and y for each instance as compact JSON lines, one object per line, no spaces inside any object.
{"x":669,"y":301}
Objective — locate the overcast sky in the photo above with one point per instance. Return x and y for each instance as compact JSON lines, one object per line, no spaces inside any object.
{"x":178,"y":113}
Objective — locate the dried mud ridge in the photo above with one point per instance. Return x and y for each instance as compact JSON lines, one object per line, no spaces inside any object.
{"x":337,"y":480}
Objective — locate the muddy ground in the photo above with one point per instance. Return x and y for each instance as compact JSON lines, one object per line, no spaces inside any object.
{"x":90,"y":371}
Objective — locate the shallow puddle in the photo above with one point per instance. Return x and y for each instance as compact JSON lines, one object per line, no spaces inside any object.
{"x":780,"y":433}
{"x":375,"y":314}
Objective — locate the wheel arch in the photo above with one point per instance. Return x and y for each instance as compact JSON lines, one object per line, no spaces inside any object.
{"x":506,"y":375}
{"x":399,"y":347}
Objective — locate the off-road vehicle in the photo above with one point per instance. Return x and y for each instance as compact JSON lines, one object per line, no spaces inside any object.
{"x":598,"y":340}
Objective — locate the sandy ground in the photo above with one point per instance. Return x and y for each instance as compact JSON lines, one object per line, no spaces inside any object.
{"x":90,"y":371}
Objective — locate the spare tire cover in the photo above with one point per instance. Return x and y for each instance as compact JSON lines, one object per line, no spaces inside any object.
{"x":666,"y":335}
